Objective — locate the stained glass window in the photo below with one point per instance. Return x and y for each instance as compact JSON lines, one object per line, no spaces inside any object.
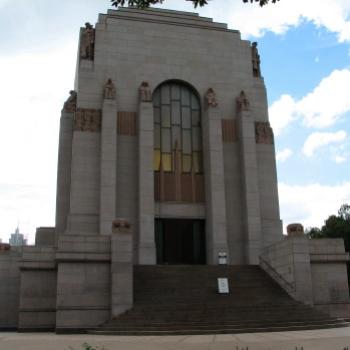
{"x":177,"y":128}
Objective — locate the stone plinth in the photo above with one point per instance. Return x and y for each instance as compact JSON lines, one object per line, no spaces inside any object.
{"x":121,"y":267}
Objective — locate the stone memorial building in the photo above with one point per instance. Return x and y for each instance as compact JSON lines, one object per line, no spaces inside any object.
{"x":166,"y":174}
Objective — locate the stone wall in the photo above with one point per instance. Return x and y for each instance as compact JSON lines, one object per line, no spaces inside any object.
{"x":329,"y":272}
{"x":312,"y":271}
{"x":83,"y":282}
{"x":9,"y":288}
{"x":37,"y":307}
{"x":45,"y":236}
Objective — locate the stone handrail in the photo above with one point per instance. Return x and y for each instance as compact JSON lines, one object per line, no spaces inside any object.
{"x":287,"y":286}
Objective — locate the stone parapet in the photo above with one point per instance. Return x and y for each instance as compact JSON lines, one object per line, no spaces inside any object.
{"x":316,"y":270}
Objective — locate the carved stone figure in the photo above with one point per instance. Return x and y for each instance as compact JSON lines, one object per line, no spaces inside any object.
{"x":87,"y":120}
{"x":295,"y":229}
{"x":120,"y":226}
{"x":263,"y":133}
{"x":71,"y":103}
{"x":256,"y":60}
{"x":210,"y":96}
{"x":145,"y":92}
{"x":109,"y":90}
{"x":87,"y":44}
{"x":242,"y":102}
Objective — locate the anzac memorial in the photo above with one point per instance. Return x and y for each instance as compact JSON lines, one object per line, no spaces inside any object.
{"x":166,"y":183}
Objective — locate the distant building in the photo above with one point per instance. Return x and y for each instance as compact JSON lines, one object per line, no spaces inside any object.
{"x":17,"y":239}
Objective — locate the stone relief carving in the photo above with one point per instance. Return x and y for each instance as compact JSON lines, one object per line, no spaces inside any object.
{"x":126,"y":123}
{"x":295,"y":229}
{"x":71,"y":104}
{"x":242,"y":102}
{"x":228,"y":127}
{"x":87,"y":120}
{"x":256,"y":60}
{"x":211,"y":99}
{"x":145,"y":92}
{"x":87,"y":43}
{"x":120,"y":226}
{"x":109,"y":90}
{"x":263,"y":133}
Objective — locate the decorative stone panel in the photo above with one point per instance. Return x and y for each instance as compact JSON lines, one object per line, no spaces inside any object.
{"x":263,"y":133}
{"x":87,"y":120}
{"x":228,"y":130}
{"x":178,"y":187}
{"x":126,"y":123}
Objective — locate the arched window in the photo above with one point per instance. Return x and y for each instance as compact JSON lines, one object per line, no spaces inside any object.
{"x":177,"y":129}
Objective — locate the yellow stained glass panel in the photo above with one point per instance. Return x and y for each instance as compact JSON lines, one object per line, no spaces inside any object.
{"x":156,"y":160}
{"x":166,"y":162}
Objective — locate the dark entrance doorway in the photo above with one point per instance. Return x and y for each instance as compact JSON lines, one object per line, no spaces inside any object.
{"x":180,"y":241}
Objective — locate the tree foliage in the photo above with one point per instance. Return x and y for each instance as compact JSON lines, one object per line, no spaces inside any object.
{"x":196,"y":3}
{"x":336,"y":226}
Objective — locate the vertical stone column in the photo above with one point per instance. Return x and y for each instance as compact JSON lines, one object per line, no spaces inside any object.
{"x":216,"y":226}
{"x":64,"y":164}
{"x":146,"y":246}
{"x":121,"y":267}
{"x":250,"y":188}
{"x":108,"y":160}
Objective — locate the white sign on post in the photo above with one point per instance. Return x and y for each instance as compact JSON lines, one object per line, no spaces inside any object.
{"x":223,"y":286}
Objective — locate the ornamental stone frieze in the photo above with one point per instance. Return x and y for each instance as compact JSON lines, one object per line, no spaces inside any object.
{"x":263,"y":133}
{"x":87,"y":120}
{"x":228,"y":127}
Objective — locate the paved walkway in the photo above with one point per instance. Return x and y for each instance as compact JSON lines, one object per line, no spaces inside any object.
{"x":329,"y":339}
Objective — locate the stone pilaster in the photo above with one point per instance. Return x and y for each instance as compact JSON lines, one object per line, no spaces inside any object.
{"x":121,"y":268}
{"x":146,"y":242}
{"x":108,"y":165}
{"x":64,"y":171}
{"x":216,"y":226}
{"x":250,"y":188}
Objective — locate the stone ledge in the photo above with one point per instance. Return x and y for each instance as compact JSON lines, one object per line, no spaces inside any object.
{"x":326,"y":258}
{"x":86,"y":257}
{"x":37,"y":265}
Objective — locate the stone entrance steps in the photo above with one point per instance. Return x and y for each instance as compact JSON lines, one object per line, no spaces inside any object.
{"x":184,"y":300}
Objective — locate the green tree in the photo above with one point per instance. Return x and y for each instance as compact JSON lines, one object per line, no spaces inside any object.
{"x":336,"y":226}
{"x":147,"y":3}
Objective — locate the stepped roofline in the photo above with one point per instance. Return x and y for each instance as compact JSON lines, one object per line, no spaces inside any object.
{"x":170,"y":17}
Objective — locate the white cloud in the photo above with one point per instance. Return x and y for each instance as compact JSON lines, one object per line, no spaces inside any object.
{"x":321,"y":108}
{"x":283,"y":155}
{"x":311,"y":204}
{"x":330,"y":14}
{"x":339,"y":159}
{"x":282,"y":113}
{"x":320,"y":139}
{"x":328,"y":102}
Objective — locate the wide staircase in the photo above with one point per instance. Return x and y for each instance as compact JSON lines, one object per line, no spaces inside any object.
{"x":171,"y":300}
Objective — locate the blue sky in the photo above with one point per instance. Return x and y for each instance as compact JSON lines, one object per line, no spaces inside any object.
{"x":305,"y":53}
